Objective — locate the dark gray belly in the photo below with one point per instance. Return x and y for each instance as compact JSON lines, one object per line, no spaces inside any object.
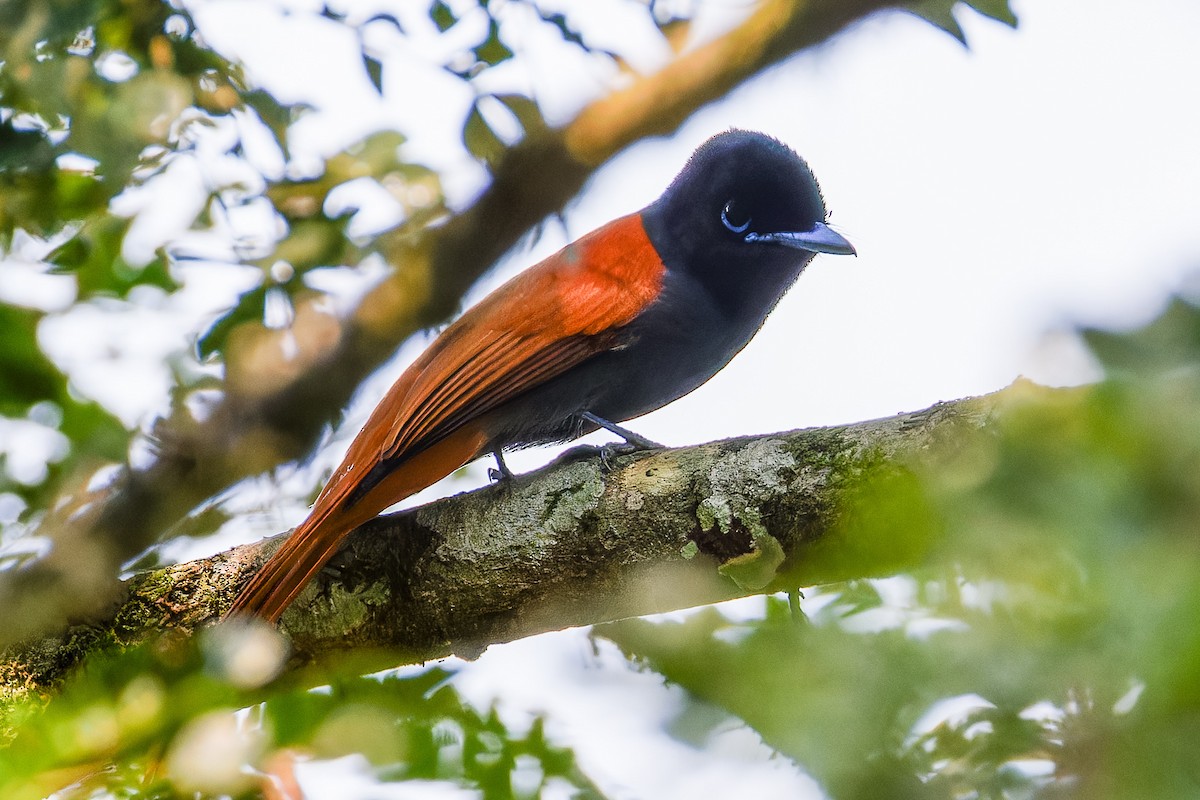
{"x":672,"y":350}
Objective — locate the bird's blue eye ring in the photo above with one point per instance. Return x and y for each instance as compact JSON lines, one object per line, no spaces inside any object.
{"x":731,"y":209}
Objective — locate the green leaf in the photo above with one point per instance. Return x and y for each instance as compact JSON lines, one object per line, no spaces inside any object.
{"x":314,"y":242}
{"x":27,"y":376}
{"x":23,"y":150}
{"x":374,"y":68}
{"x":756,"y":569}
{"x":93,"y":431}
{"x":526,"y":111}
{"x":999,"y":10}
{"x":442,"y":16}
{"x":277,"y":116}
{"x":79,"y":195}
{"x":479,"y":138}
{"x":940,"y":14}
{"x":492,"y":51}
{"x":1171,"y":342}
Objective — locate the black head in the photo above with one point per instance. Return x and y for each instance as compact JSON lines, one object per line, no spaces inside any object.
{"x":746,"y":211}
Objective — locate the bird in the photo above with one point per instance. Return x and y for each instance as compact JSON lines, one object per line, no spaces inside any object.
{"x":623,"y":321}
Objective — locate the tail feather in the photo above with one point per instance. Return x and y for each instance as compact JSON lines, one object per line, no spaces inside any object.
{"x":313,"y":543}
{"x":287,"y":571}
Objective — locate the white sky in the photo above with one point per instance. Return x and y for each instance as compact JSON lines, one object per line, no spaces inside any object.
{"x":1047,"y":176}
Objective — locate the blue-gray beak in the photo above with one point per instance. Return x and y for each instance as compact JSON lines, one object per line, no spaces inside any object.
{"x":820,"y":239}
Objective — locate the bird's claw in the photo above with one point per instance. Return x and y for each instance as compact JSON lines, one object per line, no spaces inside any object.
{"x":499,"y":473}
{"x":633,"y":441}
{"x":606,"y":453}
{"x":614,"y":450}
{"x":637,"y":442}
{"x":580,"y":452}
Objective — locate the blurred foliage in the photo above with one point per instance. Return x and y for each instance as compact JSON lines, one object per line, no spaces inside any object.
{"x":1048,"y":643}
{"x":55,"y":104}
{"x":33,"y":389}
{"x":162,"y":721}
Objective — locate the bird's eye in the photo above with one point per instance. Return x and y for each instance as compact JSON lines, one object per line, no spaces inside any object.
{"x":734,"y":217}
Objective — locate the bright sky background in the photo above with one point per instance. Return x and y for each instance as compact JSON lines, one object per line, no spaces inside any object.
{"x":1046,"y":177}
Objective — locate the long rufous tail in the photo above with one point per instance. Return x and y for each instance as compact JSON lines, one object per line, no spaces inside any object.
{"x":314,"y":542}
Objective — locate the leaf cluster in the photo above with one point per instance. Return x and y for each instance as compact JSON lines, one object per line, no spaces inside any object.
{"x":162,"y":719}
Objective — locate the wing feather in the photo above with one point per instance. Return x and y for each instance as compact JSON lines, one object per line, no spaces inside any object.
{"x":546,"y":320}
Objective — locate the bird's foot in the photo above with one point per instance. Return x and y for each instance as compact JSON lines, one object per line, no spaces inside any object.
{"x":635,"y":441}
{"x":499,"y":473}
{"x":606,"y":453}
{"x":614,"y":450}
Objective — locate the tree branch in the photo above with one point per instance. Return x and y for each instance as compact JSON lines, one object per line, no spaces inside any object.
{"x":570,"y":544}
